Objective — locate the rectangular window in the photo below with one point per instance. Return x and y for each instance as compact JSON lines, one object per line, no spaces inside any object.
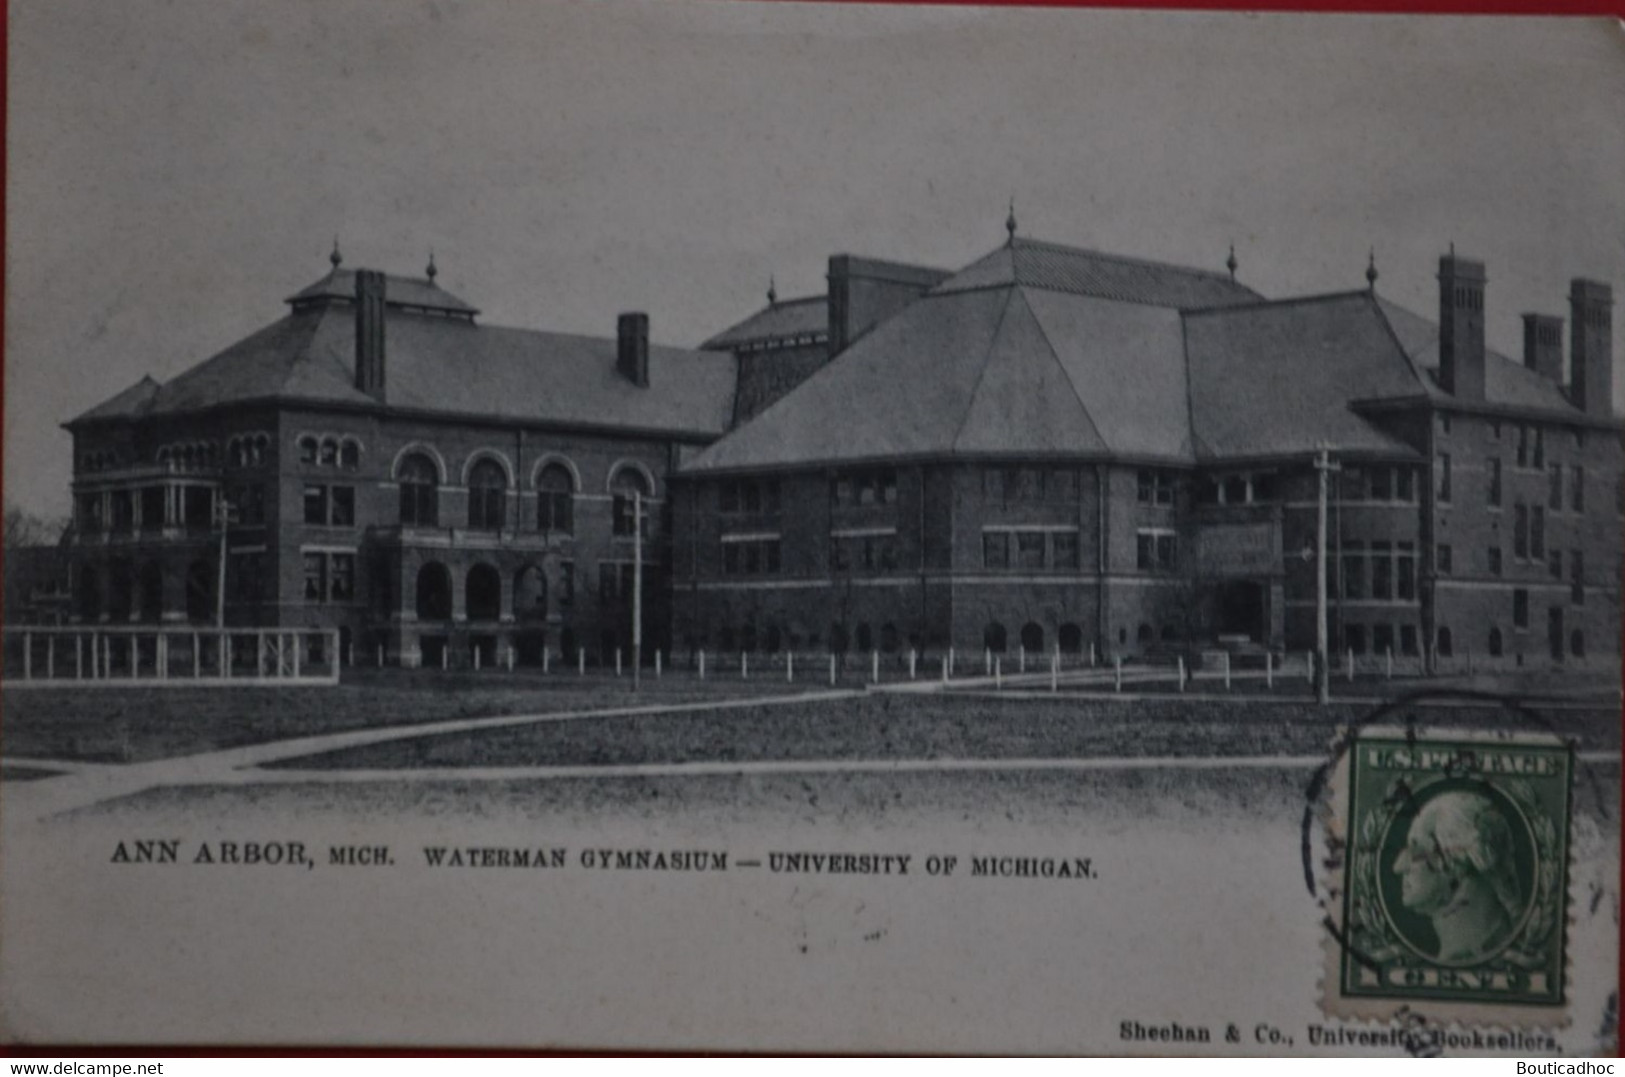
{"x":1556,"y":563}
{"x":840,"y":492}
{"x":1407,"y":639}
{"x":90,"y":512}
{"x":1495,"y":560}
{"x":249,"y":502}
{"x":770,"y":555}
{"x":1537,"y":533}
{"x":1353,"y":484}
{"x":1155,"y":551}
{"x":1444,"y":477}
{"x":1029,"y":549}
{"x":1382,"y":568}
{"x":750,"y":497}
{"x":1523,"y":445}
{"x":1444,"y":559}
{"x":1538,"y":458}
{"x":1382,"y":638}
{"x":341,"y":577}
{"x":1166,"y":552}
{"x":1495,"y":481}
{"x":124,"y":511}
{"x":1520,"y":532}
{"x":316,"y":504}
{"x":1406,"y":566}
{"x":1066,"y":549}
{"x":1354,"y":638}
{"x":1577,"y":489}
{"x":1577,"y":578}
{"x":555,"y":511}
{"x":1154,"y":487}
{"x":1406,"y":487}
{"x":730,"y":559}
{"x":1234,"y":490}
{"x":567,"y":582}
{"x":996,"y":549}
{"x":343,"y":506}
{"x":1520,"y":608}
{"x":315,"y":577}
{"x":728,"y":498}
{"x":770,"y":495}
{"x":152,"y":508}
{"x":1554,"y":489}
{"x":244,"y":581}
{"x":1353,"y":570}
{"x":609,"y":582}
{"x":1382,"y":483}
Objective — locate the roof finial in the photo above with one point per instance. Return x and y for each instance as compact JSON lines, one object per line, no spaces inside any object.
{"x":431,"y":270}
{"x":1010,"y":221}
{"x":335,"y":257}
{"x":1230,"y":263}
{"x":1371,"y":271}
{"x":772,"y":292}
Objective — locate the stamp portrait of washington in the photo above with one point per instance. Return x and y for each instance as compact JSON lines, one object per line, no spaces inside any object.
{"x":1458,"y":866}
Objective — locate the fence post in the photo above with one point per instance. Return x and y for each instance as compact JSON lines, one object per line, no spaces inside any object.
{"x":1055,"y":671}
{"x":511,"y":659}
{"x":380,"y":656}
{"x":832,"y":669}
{"x":790,"y":666}
{"x":581,"y":661}
{"x":547,"y":657}
{"x":950,"y":662}
{"x":617,"y":661}
{"x":874,"y":664}
{"x":1181,"y":660}
{"x":78,"y":658}
{"x":911,"y":660}
{"x":1390,"y":664}
{"x":1091,"y":654}
{"x":445,"y":656}
{"x":1269,"y":669}
{"x":657,"y":663}
{"x":50,"y":657}
{"x":1227,"y":671}
{"x":1351,"y":665}
{"x":160,"y":651}
{"x":1117,"y":672}
{"x":222,"y":660}
{"x":1021,"y":652}
{"x":197,"y":657}
{"x":702,"y":663}
{"x":296,"y":650}
{"x":987,"y":660}
{"x":28,"y":656}
{"x":1309,"y":666}
{"x":998,"y":673}
{"x":744,"y":666}
{"x":476,"y":657}
{"x":944,"y":669}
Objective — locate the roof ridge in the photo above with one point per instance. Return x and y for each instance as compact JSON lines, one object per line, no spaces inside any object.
{"x":1254,"y":304}
{"x":981,"y":375}
{"x":1127,"y":259}
{"x":1055,"y":357}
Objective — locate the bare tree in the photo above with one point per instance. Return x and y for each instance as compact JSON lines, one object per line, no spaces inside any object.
{"x":24,"y":528}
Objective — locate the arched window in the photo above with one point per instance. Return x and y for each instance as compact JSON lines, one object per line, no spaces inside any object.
{"x":329,"y":453}
{"x":725,"y":638}
{"x":889,"y":641}
{"x":307,"y":449}
{"x":1446,"y":645}
{"x":866,"y":637}
{"x":434,"y":592}
{"x":747,"y":639}
{"x":89,"y":599}
{"x":774,"y":639}
{"x":993,"y":637}
{"x":1071,"y":638}
{"x":838,"y":640}
{"x":555,"y":500}
{"x":530,"y":594}
{"x":629,"y":481}
{"x":420,"y":492}
{"x":1143,"y":635}
{"x":484,"y":593}
{"x":1577,"y":643}
{"x":350,"y":455}
{"x":1497,"y":648}
{"x":487,"y":496}
{"x":1032,"y":638}
{"x":1169,"y":634}
{"x":200,"y":580}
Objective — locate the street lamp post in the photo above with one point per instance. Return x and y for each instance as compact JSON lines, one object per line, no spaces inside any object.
{"x":1323,"y":467}
{"x":225,"y":514}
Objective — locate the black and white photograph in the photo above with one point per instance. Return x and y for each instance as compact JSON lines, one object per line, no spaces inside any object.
{"x":748,"y":526}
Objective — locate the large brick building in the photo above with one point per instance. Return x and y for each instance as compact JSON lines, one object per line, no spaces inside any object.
{"x":1051,"y":447}
{"x":1057,"y":447}
{"x":429,"y":485}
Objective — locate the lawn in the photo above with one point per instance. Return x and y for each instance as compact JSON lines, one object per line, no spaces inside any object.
{"x":890,"y":726}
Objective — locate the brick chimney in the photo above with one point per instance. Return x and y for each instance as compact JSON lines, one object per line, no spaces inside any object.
{"x":369,"y":332}
{"x":632,"y":348}
{"x":1461,"y":327}
{"x":1543,"y":345}
{"x":865,"y":291}
{"x":1591,"y":377}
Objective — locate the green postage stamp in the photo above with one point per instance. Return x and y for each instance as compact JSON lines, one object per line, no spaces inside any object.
{"x":1450,"y":858}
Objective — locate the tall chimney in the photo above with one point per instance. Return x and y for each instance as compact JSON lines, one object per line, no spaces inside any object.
{"x":369,"y":332}
{"x":1591,"y":379}
{"x":632,"y":348}
{"x":1543,"y":345}
{"x":1461,"y":327}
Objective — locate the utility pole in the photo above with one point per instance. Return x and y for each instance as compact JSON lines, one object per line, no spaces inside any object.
{"x":1323,"y":689}
{"x":637,"y":590}
{"x":224,"y":517}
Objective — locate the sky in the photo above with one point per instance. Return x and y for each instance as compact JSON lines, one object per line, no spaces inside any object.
{"x":176,"y":168}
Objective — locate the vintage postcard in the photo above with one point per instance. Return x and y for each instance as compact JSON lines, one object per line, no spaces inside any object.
{"x":811,"y":527}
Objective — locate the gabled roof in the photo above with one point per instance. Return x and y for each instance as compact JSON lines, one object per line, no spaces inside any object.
{"x":1506,"y":381}
{"x":787,"y":319}
{"x":1274,"y":379}
{"x":1057,"y":268}
{"x":452,"y":366}
{"x":417,"y":293}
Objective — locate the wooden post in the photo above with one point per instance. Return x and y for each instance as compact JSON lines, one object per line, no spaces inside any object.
{"x":476,"y":657}
{"x":998,"y":673}
{"x":1091,"y":654}
{"x":987,"y":660}
{"x":1309,"y":666}
{"x":1055,"y":671}
{"x":50,"y":657}
{"x":790,"y":666}
{"x":160,"y":654}
{"x":223,"y":659}
{"x":1117,"y":671}
{"x":950,"y":661}
{"x":1021,"y":651}
{"x":197,"y":656}
{"x":581,"y":661}
{"x":1227,"y":671}
{"x":1269,"y":670}
{"x":78,"y":658}
{"x":1389,"y":662}
{"x":512,"y":658}
{"x":832,"y":668}
{"x":547,"y":657}
{"x":1351,"y":665}
{"x":702,"y":663}
{"x":744,"y":666}
{"x":944,"y":669}
{"x":617,"y":661}
{"x":296,"y":655}
{"x":28,"y":656}
{"x":874,"y":666}
{"x":1181,"y":659}
{"x":657,"y":663}
{"x":912,"y":657}
{"x":380,"y":656}
{"x":445,"y":656}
